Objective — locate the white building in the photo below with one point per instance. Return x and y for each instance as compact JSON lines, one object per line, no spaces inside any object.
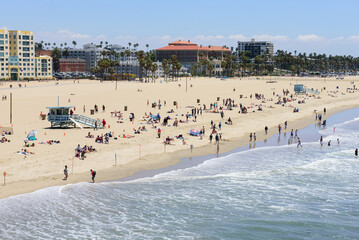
{"x":256,"y":47}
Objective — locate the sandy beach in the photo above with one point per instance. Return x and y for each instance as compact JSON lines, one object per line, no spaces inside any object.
{"x":45,"y":167}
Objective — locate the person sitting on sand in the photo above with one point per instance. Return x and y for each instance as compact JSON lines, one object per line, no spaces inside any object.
{"x":89,"y":135}
{"x":168,"y":140}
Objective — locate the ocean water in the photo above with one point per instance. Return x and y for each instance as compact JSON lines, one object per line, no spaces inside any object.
{"x":271,"y":192}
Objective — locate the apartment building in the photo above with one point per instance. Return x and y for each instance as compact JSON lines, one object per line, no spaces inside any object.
{"x":256,"y":48}
{"x":17,"y":57}
{"x":90,"y":53}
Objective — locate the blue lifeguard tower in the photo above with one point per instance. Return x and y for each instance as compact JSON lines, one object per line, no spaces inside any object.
{"x":299,"y":88}
{"x":62,"y":117}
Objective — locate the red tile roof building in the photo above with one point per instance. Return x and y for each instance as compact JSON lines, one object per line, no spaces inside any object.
{"x":189,"y":53}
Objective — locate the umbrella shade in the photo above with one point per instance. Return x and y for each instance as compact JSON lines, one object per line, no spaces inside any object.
{"x":32,"y":135}
{"x":194,"y":132}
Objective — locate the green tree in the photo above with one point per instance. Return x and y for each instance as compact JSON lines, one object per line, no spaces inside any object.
{"x":55,"y":53}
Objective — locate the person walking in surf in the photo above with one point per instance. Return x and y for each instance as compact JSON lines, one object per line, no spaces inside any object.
{"x":93,"y":174}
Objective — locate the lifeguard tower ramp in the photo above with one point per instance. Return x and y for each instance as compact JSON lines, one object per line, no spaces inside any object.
{"x":61,"y":117}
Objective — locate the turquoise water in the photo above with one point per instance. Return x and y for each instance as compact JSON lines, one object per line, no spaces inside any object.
{"x":272,"y":192}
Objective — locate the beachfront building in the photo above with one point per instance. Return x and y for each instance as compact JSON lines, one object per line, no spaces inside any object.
{"x":256,"y":48}
{"x":90,"y":53}
{"x":70,"y":65}
{"x":122,"y":57}
{"x":17,"y":57}
{"x":43,"y":67}
{"x":189,"y":53}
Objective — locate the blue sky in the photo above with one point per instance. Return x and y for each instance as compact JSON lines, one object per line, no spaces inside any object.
{"x":306,"y":26}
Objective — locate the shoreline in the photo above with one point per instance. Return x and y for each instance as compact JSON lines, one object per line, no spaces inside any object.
{"x":153,"y":164}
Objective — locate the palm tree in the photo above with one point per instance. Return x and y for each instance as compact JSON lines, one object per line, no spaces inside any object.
{"x":74,"y":43}
{"x":154,"y":68}
{"x":147,"y":46}
{"x":140,"y":57}
{"x":65,"y":44}
{"x":164,"y":66}
{"x":129,"y":45}
{"x":128,"y":54}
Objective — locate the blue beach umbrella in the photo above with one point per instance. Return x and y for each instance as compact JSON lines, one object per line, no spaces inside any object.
{"x":32,"y":135}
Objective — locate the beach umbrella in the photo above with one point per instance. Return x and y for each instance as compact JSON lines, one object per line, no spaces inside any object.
{"x":194,"y":132}
{"x":32,"y":135}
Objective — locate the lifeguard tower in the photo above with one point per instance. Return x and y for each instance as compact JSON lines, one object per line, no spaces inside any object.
{"x":301,"y":89}
{"x":62,"y":117}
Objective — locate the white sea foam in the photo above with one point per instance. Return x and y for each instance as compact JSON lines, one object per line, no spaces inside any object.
{"x":243,"y":194}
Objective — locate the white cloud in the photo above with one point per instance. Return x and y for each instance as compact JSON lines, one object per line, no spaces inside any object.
{"x":356,"y":37}
{"x":238,"y":37}
{"x":4,"y":27}
{"x":101,"y":37}
{"x":266,"y":37}
{"x":309,"y":38}
{"x":65,"y":33}
{"x":337,"y":39}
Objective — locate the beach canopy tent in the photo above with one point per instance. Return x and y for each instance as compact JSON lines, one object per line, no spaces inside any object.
{"x":194,"y":132}
{"x":32,"y":135}
{"x":154,"y":117}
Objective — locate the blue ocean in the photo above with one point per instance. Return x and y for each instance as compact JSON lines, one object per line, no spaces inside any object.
{"x":272,"y":191}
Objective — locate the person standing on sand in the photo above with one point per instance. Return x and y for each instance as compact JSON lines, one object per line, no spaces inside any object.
{"x":279,"y":128}
{"x":285,"y":124}
{"x":95,"y":127}
{"x":159,"y":133}
{"x":93,"y":174}
{"x":66,"y":173}
{"x":266,"y":129}
{"x":254,"y":137}
{"x":210,"y":138}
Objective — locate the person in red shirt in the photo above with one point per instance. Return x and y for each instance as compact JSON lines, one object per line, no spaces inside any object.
{"x":104,"y":123}
{"x":159,"y":133}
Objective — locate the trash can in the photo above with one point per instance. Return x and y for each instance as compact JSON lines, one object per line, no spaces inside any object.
{"x":174,"y":103}
{"x":125,"y":108}
{"x":217,"y":98}
{"x":92,"y":111}
{"x":198,"y":100}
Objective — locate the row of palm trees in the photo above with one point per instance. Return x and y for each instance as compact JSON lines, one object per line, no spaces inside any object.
{"x":282,"y":62}
{"x":110,"y":61}
{"x":47,"y":45}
